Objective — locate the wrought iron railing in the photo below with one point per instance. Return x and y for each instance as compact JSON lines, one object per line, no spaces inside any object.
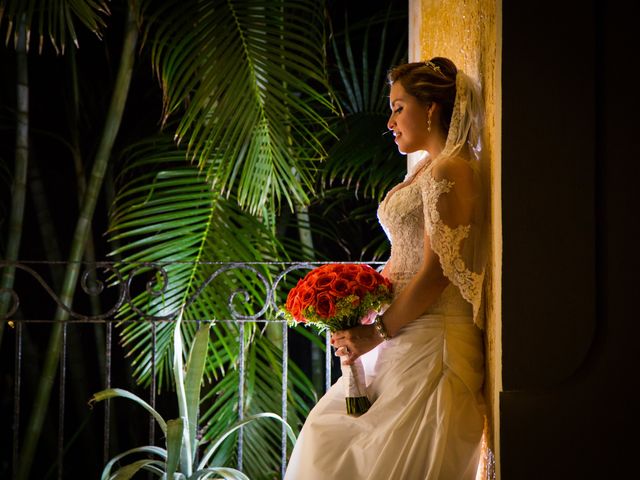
{"x":119,"y":279}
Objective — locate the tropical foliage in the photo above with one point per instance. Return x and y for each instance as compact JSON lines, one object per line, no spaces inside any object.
{"x":362,"y":161}
{"x":245,"y":117}
{"x":180,"y":459}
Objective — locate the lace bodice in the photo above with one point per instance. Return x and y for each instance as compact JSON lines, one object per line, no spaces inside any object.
{"x":424,"y":205}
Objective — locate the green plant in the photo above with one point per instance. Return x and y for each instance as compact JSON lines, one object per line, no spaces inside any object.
{"x":243,"y":91}
{"x":362,"y":161}
{"x":179,"y":460}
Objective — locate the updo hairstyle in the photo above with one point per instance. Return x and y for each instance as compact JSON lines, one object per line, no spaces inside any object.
{"x":429,"y":84}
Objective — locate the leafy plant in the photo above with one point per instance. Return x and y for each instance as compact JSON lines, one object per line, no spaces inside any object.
{"x":362,"y":161}
{"x":246,"y":83}
{"x":166,"y":213}
{"x":179,"y":459}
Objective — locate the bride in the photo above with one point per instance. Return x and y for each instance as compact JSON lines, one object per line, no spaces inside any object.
{"x":424,"y":356}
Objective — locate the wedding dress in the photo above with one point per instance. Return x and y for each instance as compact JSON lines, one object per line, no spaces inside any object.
{"x":427,"y":414}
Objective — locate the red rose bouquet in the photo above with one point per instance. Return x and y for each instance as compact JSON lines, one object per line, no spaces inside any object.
{"x":338,"y":297}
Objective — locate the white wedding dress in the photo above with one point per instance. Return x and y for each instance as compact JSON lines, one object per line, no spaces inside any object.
{"x":427,"y":414}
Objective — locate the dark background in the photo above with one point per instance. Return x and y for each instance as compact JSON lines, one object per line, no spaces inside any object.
{"x":570,"y":152}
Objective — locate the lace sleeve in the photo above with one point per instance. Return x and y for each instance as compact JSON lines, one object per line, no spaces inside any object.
{"x":453,"y":220}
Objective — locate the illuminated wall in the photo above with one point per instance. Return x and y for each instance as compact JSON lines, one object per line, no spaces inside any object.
{"x":469,"y":33}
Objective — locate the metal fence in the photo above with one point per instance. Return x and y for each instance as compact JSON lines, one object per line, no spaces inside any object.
{"x":117,"y":284}
{"x":33,"y":294}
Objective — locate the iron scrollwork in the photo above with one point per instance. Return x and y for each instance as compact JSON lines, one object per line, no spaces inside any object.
{"x":120,"y":280}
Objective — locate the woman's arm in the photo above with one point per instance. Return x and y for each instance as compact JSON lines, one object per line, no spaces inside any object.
{"x":419,"y":294}
{"x":454,"y":207}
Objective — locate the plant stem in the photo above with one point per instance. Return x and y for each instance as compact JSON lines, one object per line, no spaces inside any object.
{"x":112,"y":125}
{"x":20,"y":173}
{"x":43,"y":217}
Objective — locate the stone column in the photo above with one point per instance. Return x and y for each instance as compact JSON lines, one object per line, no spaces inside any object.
{"x":469,"y":33}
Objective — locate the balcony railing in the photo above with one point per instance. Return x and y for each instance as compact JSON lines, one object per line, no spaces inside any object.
{"x":28,"y":318}
{"x":117,"y":285}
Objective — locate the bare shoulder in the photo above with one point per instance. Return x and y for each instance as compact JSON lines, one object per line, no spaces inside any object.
{"x":455,"y":169}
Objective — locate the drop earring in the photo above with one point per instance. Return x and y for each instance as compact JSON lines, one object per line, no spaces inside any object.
{"x":429,"y":123}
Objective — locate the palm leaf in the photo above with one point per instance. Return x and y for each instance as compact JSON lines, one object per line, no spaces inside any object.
{"x":166,"y":213}
{"x":53,"y":19}
{"x":251,"y":74}
{"x":363,"y":157}
{"x":362,"y":163}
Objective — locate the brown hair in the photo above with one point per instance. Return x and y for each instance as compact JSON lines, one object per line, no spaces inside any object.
{"x":429,"y":84}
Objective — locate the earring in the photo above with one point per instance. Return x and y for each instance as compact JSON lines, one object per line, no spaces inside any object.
{"x":429,"y":123}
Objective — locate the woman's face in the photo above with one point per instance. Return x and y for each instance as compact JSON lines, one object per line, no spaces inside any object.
{"x":408,"y":120}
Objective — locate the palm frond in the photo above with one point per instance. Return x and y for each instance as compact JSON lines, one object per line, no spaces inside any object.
{"x":250,"y":77}
{"x":362,"y":163}
{"x":55,"y":20}
{"x":166,"y":213}
{"x":346,"y":228}
{"x":363,"y":157}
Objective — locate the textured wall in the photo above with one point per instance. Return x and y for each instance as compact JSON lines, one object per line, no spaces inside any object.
{"x":469,"y":32}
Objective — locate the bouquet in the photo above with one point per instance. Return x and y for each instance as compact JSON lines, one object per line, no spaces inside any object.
{"x":338,"y":297}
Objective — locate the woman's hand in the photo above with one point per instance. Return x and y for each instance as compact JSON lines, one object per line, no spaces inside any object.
{"x":352,"y":343}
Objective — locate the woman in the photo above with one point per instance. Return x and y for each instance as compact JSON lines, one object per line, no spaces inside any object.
{"x":423,"y":357}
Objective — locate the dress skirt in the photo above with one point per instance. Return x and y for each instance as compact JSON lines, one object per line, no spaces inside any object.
{"x":427,"y":414}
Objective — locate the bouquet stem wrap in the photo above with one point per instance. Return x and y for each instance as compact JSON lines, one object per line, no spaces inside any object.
{"x":355,"y":388}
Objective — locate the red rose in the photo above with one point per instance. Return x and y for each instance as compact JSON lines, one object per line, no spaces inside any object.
{"x":367,"y":280}
{"x":338,"y":268}
{"x":325,"y":307}
{"x":349,"y":275}
{"x":306,"y":296}
{"x":357,"y":290}
{"x":293,"y":293}
{"x":340,"y":287}
{"x":352,"y":267}
{"x":325,"y":280}
{"x":296,"y":309}
{"x":310,"y":279}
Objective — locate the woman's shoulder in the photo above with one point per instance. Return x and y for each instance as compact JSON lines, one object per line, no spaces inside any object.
{"x":457,"y":169}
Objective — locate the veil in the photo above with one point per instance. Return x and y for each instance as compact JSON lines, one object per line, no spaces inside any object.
{"x":466,"y":119}
{"x":455,"y":200}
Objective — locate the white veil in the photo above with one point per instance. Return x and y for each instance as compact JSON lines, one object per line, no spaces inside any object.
{"x":455,"y":204}
{"x":466,"y":119}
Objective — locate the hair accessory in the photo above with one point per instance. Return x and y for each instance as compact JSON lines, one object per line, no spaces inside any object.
{"x":381,"y":329}
{"x":433,"y":66}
